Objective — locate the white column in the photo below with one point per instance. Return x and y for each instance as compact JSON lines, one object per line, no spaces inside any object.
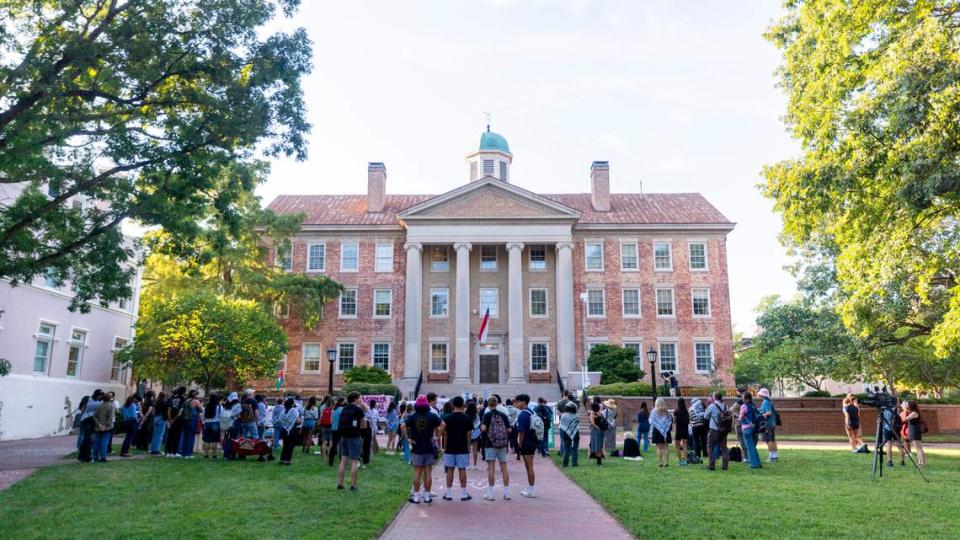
{"x":566,"y":346}
{"x":462,"y":374}
{"x":515,"y":311}
{"x":412,"y":314}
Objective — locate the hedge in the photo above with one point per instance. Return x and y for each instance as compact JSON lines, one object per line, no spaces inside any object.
{"x":638,"y":389}
{"x":370,"y":389}
{"x":817,"y":393}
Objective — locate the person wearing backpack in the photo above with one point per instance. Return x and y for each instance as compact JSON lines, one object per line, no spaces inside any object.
{"x":249,"y":413}
{"x":719,"y":421}
{"x":546,"y":416}
{"x":570,"y":433}
{"x":496,"y":438}
{"x":748,"y":425}
{"x":598,"y":425}
{"x":769,"y":434}
{"x":698,"y":421}
{"x":529,"y":433}
{"x":190,"y":415}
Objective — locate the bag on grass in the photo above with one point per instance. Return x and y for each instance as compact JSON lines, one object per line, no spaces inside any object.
{"x":736,"y":454}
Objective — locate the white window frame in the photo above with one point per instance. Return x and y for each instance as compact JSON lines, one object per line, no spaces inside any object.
{"x":673,"y":302}
{"x":386,"y":260}
{"x":494,"y":313}
{"x":278,"y":261}
{"x":80,"y":346}
{"x":546,"y":302}
{"x":530,"y":258}
{"x":713,"y":357}
{"x":709,"y":313}
{"x":546,"y":348}
{"x":496,"y":258}
{"x":340,"y":345}
{"x":636,"y":257}
{"x":121,"y":370}
{"x":389,"y":303}
{"x":623,"y":303}
{"x":50,"y":339}
{"x":676,"y":356}
{"x":639,"y":360}
{"x":343,"y":250}
{"x":586,"y":256}
{"x":603,"y":303}
{"x":491,"y":170}
{"x":446,"y":261}
{"x":440,"y":291}
{"x":593,"y":342}
{"x":669,"y":245}
{"x":323,"y":267}
{"x":706,"y":256}
{"x":303,"y":357}
{"x":356,"y":303}
{"x":446,"y":356}
{"x":373,"y":354}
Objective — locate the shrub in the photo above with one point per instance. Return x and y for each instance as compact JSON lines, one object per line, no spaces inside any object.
{"x":4,"y":367}
{"x":616,"y":364}
{"x":637,"y":389}
{"x":371,"y":389}
{"x":817,"y":393}
{"x":367,"y":374}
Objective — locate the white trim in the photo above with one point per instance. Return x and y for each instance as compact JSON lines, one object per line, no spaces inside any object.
{"x":345,"y":342}
{"x":623,"y":303}
{"x":713,"y":356}
{"x":641,"y":354}
{"x":389,"y":304}
{"x":669,"y":244}
{"x":673,"y":302}
{"x":373,"y":351}
{"x":322,"y":268}
{"x":344,"y":243}
{"x":636,"y":254}
{"x":496,"y":258}
{"x":446,"y":346}
{"x":276,"y":257}
{"x":122,"y":375}
{"x":480,"y":308}
{"x":530,"y":268}
{"x":706,"y":256}
{"x":546,"y":346}
{"x":446,"y":292}
{"x":51,"y":340}
{"x":85,"y":344}
{"x":356,"y":303}
{"x":434,"y":249}
{"x":709,"y":303}
{"x":603,"y":299}
{"x":546,"y":302}
{"x":303,"y":357}
{"x":376,"y":257}
{"x":586,"y":256}
{"x":676,"y":354}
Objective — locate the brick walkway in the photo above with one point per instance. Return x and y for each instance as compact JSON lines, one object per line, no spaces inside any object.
{"x":561,"y":510}
{"x":20,"y":458}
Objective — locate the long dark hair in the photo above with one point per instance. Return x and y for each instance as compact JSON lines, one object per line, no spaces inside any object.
{"x":392,"y":406}
{"x":311,"y":403}
{"x":210,"y":411}
{"x":681,"y":411}
{"x":472,"y":409}
{"x":289,"y":403}
{"x":643,"y":406}
{"x":129,"y":400}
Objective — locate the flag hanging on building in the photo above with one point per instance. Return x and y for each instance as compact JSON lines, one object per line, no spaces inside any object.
{"x":485,"y":326}
{"x":280,"y":379}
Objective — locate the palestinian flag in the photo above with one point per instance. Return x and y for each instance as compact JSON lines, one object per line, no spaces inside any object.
{"x":485,"y":327}
{"x":280,"y":379}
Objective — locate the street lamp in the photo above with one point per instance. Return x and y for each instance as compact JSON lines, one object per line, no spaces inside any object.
{"x":585,"y":298}
{"x":652,"y":358}
{"x":331,"y":357}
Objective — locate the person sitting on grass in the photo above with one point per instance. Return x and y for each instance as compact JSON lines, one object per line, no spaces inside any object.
{"x":661,"y":422}
{"x":631,"y":449}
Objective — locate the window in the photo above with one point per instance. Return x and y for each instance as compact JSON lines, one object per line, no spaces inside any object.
{"x":662,"y":256}
{"x":595,"y":307}
{"x":665,"y":303}
{"x":594,"y":254}
{"x":489,"y":300}
{"x":488,"y":258}
{"x":439,"y":259}
{"x":439,"y":302}
{"x":317,"y":258}
{"x":53,"y":190}
{"x":116,"y":369}
{"x":538,"y":258}
{"x":44,"y":347}
{"x":349,"y":256}
{"x":384,"y":261}
{"x":285,"y":256}
{"x":49,"y":280}
{"x":594,"y":342}
{"x":503,"y":171}
{"x":538,"y":357}
{"x":538,"y":302}
{"x":346,"y":354}
{"x":281,"y":309}
{"x":631,"y":302}
{"x":628,"y":257}
{"x":438,"y":357}
{"x":701,"y":302}
{"x":473,"y":170}
{"x":668,"y":357}
{"x":78,"y":340}
{"x":381,"y":356}
{"x":698,"y":256}
{"x":488,"y":167}
{"x":311,"y":358}
{"x":703,"y":353}
{"x":382,"y":298}
{"x":637,"y":349}
{"x":123,"y":304}
{"x":348,"y":303}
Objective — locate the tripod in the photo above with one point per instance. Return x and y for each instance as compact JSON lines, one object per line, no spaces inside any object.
{"x":883,"y":424}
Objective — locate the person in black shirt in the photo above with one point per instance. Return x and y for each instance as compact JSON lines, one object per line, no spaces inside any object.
{"x":173,"y":421}
{"x":352,"y":423}
{"x":420,"y":428}
{"x":456,"y":428}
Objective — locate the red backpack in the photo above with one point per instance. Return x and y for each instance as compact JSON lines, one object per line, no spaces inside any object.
{"x":326,"y":418}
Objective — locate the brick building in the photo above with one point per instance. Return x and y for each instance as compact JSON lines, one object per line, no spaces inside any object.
{"x":420,"y":271}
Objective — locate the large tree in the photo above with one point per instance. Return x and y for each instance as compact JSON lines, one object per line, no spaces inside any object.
{"x":874,"y":99}
{"x":139,"y":105}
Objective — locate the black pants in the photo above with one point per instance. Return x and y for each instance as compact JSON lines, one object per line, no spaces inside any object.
{"x":144,"y":434}
{"x":173,"y":437}
{"x":367,"y":436}
{"x":700,"y":439}
{"x":289,"y":442}
{"x":334,"y":445}
{"x":86,"y":445}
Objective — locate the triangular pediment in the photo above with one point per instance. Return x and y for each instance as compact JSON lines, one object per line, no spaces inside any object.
{"x":489,"y":198}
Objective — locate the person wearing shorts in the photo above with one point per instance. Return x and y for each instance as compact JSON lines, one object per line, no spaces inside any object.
{"x":352,"y":420}
{"x":769,"y":434}
{"x":421,"y":428}
{"x":527,"y":439}
{"x":456,"y":427}
{"x":494,"y":451}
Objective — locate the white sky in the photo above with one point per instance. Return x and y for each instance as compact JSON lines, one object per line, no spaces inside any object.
{"x":678,"y":95}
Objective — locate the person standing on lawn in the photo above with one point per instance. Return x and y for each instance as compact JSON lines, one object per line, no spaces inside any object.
{"x":421,"y":428}
{"x":609,"y":411}
{"x":496,"y":440}
{"x":173,"y":421}
{"x":368,"y":434}
{"x":335,"y":429}
{"x":682,"y":429}
{"x":190,"y":416}
{"x":717,"y":438}
{"x":325,"y":422}
{"x":915,"y":429}
{"x":769,"y":434}
{"x":310,"y":417}
{"x":597,"y":423}
{"x":748,"y":425}
{"x":104,"y":418}
{"x":570,"y":433}
{"x":289,"y":419}
{"x":145,"y":431}
{"x":211,"y":427}
{"x":643,"y":426}
{"x":352,"y":421}
{"x":456,"y":428}
{"x":261,"y":415}
{"x":698,"y":423}
{"x":528,"y":442}
{"x":851,"y":421}
{"x":661,"y":421}
{"x":159,"y":424}
{"x":131,"y":422}
{"x":249,"y":415}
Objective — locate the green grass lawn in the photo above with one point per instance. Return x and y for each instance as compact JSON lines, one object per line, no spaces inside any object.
{"x":808,"y":494}
{"x":166,"y":498}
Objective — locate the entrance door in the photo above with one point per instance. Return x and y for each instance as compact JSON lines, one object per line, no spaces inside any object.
{"x":489,"y":368}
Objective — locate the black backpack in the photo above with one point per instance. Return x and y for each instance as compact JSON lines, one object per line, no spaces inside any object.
{"x":726,"y":420}
{"x":601,"y":422}
{"x":736,"y":454}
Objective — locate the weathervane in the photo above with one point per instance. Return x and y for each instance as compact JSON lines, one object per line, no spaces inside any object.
{"x":488,"y":117}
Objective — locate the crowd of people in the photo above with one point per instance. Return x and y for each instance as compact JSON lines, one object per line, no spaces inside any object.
{"x":907,"y":425}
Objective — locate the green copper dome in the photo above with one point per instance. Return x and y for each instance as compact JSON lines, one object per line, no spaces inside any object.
{"x":493,"y":141}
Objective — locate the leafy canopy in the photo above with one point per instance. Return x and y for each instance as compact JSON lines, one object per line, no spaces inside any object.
{"x":138,"y":105}
{"x":367,"y":374}
{"x":616,"y":364}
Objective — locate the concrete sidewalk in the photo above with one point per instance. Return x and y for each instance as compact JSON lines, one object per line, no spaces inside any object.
{"x":561,"y":510}
{"x":20,"y":458}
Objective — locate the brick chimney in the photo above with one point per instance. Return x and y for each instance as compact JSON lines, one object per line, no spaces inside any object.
{"x":600,"y":185}
{"x":376,"y":186}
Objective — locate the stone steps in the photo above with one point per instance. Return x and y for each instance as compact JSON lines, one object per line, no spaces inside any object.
{"x":550,"y":391}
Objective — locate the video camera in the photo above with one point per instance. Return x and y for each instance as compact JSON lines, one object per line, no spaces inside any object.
{"x":879,"y":398}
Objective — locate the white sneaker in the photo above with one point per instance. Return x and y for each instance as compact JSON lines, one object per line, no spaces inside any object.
{"x":506,"y":495}
{"x":529,"y":492}
{"x":488,"y":495}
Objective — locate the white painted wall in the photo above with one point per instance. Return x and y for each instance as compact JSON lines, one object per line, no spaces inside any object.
{"x":36,"y":406}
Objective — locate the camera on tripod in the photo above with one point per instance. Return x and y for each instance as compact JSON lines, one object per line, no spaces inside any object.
{"x":879,"y":398}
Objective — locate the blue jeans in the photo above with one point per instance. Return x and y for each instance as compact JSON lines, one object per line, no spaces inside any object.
{"x":159,"y":429}
{"x":100,"y":442}
{"x":542,"y":445}
{"x":643,"y":437}
{"x":570,"y":448}
{"x":248,"y":430}
{"x":406,"y":450}
{"x":750,"y":446}
{"x":188,"y":435}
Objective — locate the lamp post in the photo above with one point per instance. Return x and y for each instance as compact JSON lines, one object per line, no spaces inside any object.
{"x":652,"y":358}
{"x":331,"y":357}
{"x":584,"y":298}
